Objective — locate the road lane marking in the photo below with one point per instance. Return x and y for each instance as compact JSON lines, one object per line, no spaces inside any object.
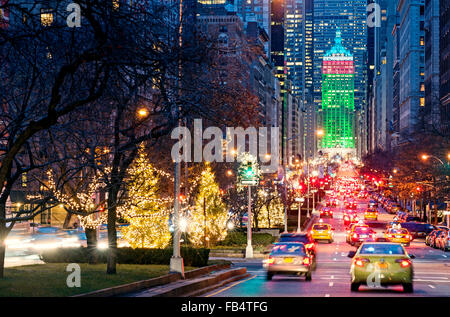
{"x":330,"y":284}
{"x":228,"y":287}
{"x":327,"y":295}
{"x":431,"y":286}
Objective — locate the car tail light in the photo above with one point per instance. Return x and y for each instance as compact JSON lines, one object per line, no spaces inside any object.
{"x":355,"y":235}
{"x":408,"y":237}
{"x":309,"y":246}
{"x":270,"y":260}
{"x":360,"y":262}
{"x":306,"y":261}
{"x":404,"y":263}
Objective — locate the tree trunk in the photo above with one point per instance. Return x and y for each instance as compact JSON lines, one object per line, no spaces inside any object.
{"x":67,"y":221}
{"x":112,"y":234}
{"x":3,"y":235}
{"x":435,"y":212}
{"x":91,"y":239}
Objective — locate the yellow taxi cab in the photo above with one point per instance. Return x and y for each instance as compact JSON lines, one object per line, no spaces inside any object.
{"x":371,"y":214}
{"x":322,"y":231}
{"x":398,"y":235}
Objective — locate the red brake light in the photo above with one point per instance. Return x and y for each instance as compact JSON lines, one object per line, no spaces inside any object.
{"x":355,"y":235}
{"x":309,"y":246}
{"x":359,"y":262}
{"x":270,"y":260}
{"x":404,"y":263}
{"x":306,"y":261}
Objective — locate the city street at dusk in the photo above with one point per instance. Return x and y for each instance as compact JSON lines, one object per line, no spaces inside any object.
{"x":225,"y":156}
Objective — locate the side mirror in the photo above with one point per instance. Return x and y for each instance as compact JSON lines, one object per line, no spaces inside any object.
{"x":412,"y":256}
{"x":351,"y":254}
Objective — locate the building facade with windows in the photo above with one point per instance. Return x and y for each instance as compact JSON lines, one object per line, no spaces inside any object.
{"x":411,"y":64}
{"x":338,"y":108}
{"x":351,"y":17}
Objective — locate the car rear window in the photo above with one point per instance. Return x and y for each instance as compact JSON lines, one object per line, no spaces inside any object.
{"x":398,"y":231}
{"x":288,"y":248}
{"x":381,"y":249}
{"x":294,"y":239}
{"x":320,"y":227}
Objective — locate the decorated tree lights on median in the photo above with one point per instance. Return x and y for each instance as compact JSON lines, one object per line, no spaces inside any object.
{"x":208,"y":219}
{"x":146,"y":212}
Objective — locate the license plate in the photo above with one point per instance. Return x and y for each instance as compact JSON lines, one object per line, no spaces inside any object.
{"x":288,"y":260}
{"x":398,"y":236}
{"x":382,"y":265}
{"x":363,"y":236}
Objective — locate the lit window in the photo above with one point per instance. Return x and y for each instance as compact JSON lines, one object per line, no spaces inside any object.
{"x":422,"y":102}
{"x":46,"y":17}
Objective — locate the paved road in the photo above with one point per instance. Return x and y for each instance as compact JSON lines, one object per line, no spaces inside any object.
{"x":332,"y":278}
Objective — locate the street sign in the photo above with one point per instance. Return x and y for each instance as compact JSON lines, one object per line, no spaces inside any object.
{"x":253,"y":182}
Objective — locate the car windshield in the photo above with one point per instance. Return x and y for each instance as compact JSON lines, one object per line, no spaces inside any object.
{"x":288,"y":249}
{"x":398,"y":231}
{"x":320,"y":227}
{"x":382,"y":249}
{"x":296,"y":238}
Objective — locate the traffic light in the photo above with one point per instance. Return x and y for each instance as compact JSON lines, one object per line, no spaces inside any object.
{"x":249,"y":173}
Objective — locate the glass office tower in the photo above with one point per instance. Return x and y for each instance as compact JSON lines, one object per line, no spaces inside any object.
{"x":338,"y":104}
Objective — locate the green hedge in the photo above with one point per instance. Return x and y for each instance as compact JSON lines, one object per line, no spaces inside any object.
{"x":191,"y":256}
{"x":239,"y":238}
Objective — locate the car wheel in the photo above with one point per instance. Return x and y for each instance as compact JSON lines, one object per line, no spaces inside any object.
{"x":408,"y":288}
{"x":269,"y":276}
{"x":354,"y":287}
{"x":308,"y":276}
{"x":330,"y":241}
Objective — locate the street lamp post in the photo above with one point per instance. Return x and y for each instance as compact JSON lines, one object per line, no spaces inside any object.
{"x":300,"y":203}
{"x":249,"y":248}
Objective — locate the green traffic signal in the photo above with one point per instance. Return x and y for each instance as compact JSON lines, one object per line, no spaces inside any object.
{"x":249,"y":172}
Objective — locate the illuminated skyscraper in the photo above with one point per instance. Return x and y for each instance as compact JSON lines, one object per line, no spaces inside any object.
{"x":338,"y":105}
{"x":351,"y":17}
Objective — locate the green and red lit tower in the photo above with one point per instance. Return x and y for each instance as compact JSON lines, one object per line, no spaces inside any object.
{"x":338,"y":105}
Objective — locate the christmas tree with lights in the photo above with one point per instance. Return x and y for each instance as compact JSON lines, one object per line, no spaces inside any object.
{"x":145,"y":211}
{"x":208,"y":223}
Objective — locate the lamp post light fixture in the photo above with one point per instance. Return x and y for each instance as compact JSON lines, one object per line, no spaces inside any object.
{"x":425,"y":157}
{"x":142,"y":112}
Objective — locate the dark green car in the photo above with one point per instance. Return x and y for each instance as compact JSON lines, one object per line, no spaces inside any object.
{"x":377,"y":264}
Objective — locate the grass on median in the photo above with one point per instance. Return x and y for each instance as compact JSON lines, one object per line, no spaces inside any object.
{"x":45,"y":280}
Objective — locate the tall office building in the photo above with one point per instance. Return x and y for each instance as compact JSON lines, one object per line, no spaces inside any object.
{"x":431,"y":79}
{"x":381,"y":104}
{"x":411,"y":64}
{"x":298,"y":50}
{"x":338,"y":88}
{"x":258,"y":11}
{"x":351,"y":17}
{"x":444,"y":65}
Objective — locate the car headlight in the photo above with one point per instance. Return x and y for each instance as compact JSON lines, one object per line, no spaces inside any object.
{"x":102,"y":245}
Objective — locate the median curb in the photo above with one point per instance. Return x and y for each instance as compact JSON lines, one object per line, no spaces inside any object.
{"x":195,"y":287}
{"x":153,"y":282}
